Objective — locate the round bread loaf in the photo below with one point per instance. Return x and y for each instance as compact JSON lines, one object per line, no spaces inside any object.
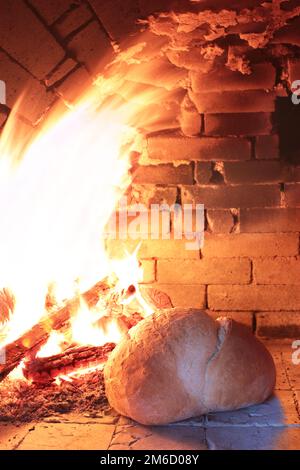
{"x":180,"y":363}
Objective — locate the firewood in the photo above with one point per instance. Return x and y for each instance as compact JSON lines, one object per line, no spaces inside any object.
{"x":47,"y":369}
{"x":58,"y":320}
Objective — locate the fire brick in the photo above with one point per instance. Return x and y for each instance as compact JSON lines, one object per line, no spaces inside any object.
{"x":191,"y":59}
{"x":267,"y":147}
{"x":277,"y":271}
{"x":292,"y":194}
{"x":238,"y":124}
{"x":74,"y":84}
{"x":157,"y":72}
{"x":226,"y":197}
{"x":234,"y":101}
{"x":190,"y":119}
{"x":262,"y":78}
{"x":150,"y":194}
{"x":253,"y":297}
{"x":184,"y":295}
{"x":151,"y":44}
{"x":61,"y":71}
{"x":205,"y":271}
{"x":292,"y":174}
{"x":176,"y":147}
{"x":220,"y":221}
{"x":37,"y":98}
{"x":148,"y":267}
{"x":253,"y":172}
{"x":19,"y":30}
{"x":72,"y":21}
{"x":246,"y":318}
{"x":278,"y":324}
{"x":270,"y":220}
{"x":162,"y":174}
{"x":157,"y":249}
{"x":91,"y":47}
{"x":52,"y":9}
{"x":122,"y":21}
{"x":250,"y":245}
{"x":204,"y":172}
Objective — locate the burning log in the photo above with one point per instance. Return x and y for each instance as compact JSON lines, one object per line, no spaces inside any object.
{"x":31,"y":342}
{"x":47,"y":369}
{"x":58,"y":320}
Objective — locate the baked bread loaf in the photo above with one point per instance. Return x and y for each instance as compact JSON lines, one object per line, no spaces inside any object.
{"x":180,"y":363}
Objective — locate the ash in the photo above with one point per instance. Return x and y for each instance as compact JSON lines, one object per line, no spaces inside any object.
{"x":25,"y":402}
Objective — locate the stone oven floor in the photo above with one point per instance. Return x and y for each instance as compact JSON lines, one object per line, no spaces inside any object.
{"x":271,"y":425}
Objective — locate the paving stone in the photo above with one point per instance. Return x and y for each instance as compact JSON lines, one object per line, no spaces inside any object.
{"x":123,"y":439}
{"x":279,"y":410}
{"x":11,"y":435}
{"x":253,"y":438}
{"x":197,"y":421}
{"x":67,"y":436}
{"x":172,"y":438}
{"x":133,"y":431}
{"x":124,"y":421}
{"x":81,"y":419}
{"x":274,"y":424}
{"x":119,"y":447}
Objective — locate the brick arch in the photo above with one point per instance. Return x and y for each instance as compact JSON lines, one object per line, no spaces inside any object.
{"x":229,"y":62}
{"x":56,"y":46}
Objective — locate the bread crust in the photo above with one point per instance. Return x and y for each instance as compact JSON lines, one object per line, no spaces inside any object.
{"x":180,"y":363}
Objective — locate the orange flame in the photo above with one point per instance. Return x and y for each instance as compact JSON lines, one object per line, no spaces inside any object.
{"x":58,"y":188}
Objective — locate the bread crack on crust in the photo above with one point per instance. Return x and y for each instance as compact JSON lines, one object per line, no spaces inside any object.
{"x":223,"y":330}
{"x":180,"y":363}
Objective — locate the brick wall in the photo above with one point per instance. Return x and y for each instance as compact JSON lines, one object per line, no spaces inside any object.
{"x":220,"y":143}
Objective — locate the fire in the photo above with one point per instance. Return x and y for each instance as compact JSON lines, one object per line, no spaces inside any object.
{"x":92,"y":327}
{"x":55,"y":202}
{"x":58,"y":189}
{"x":53,"y":346}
